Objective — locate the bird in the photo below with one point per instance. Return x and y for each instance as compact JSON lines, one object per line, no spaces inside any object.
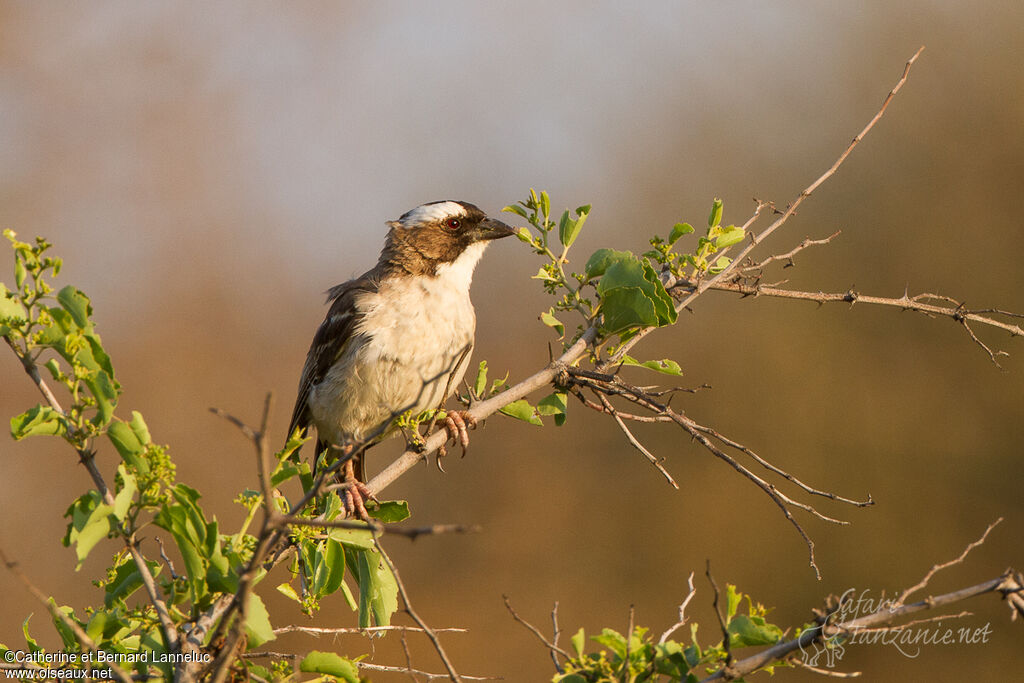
{"x":395,"y":339}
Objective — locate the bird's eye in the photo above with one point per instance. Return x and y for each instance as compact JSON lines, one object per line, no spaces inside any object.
{"x":453,"y":223}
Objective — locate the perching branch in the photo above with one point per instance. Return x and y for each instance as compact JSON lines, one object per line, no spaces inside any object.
{"x":575,"y":352}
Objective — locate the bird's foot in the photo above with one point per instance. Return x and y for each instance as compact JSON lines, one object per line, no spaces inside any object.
{"x":356,"y":493}
{"x":457,"y":423}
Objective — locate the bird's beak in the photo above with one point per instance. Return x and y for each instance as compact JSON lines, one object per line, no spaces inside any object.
{"x":491,"y":229}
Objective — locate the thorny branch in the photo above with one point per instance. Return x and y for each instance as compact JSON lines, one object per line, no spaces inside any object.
{"x":955,"y":310}
{"x":551,"y":645}
{"x":612,"y":385}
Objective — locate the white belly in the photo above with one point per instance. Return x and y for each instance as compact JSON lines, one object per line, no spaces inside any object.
{"x":419,"y":348}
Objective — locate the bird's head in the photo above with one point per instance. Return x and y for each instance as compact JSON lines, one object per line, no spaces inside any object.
{"x":439,"y":233}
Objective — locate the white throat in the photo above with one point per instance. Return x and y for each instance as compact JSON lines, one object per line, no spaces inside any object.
{"x":458,"y":275}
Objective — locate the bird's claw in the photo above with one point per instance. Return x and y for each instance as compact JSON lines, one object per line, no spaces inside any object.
{"x":356,"y":493}
{"x":457,"y":423}
{"x":355,"y":499}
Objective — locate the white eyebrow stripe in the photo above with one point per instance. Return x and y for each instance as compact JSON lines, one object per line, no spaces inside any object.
{"x":429,"y":213}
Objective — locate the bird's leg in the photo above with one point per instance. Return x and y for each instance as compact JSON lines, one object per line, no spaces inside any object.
{"x":356,"y":493}
{"x":456,"y":423}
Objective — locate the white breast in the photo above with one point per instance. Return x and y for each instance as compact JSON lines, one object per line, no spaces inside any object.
{"x":414,"y":342}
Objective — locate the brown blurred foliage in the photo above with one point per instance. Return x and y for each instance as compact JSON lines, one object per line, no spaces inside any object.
{"x":208,"y":170}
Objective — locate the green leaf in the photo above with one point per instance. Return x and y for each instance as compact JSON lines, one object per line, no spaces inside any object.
{"x":126,"y":442}
{"x":90,"y":523}
{"x":77,"y":304}
{"x":38,"y":420}
{"x":334,"y":556}
{"x":126,"y":581}
{"x":545,"y":204}
{"x":678,"y":230}
{"x":548,"y":318}
{"x":378,"y":591}
{"x":749,"y":631}
{"x":317,"y":662}
{"x":665,"y":365}
{"x":289,"y":592}
{"x":33,"y":646}
{"x":138,"y":426}
{"x":716,"y":213}
{"x":10,"y":308}
{"x":19,"y":273}
{"x":632,"y":295}
{"x":569,"y":228}
{"x":391,"y":511}
{"x":523,"y":235}
{"x":522,"y":410}
{"x":733,"y":598}
{"x":730,"y":236}
{"x":554,"y":404}
{"x":480,"y":384}
{"x":578,"y":641}
{"x":543,"y":275}
{"x":602,"y":259}
{"x":257,"y":625}
{"x":123,"y":500}
{"x":627,"y":307}
{"x":517,"y":210}
{"x":353,"y":538}
{"x":613,"y":640}
{"x":721,"y":264}
{"x":63,"y":630}
{"x":285,"y":471}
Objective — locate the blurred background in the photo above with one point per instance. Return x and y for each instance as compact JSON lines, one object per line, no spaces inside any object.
{"x":208,"y":170}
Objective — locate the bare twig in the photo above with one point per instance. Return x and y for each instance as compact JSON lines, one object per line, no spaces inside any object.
{"x":636,"y":443}
{"x":916,"y":622}
{"x":824,"y":672}
{"x":369,"y":630}
{"x":726,"y":638}
{"x":453,"y":675}
{"x":939,"y":567}
{"x":755,"y":240}
{"x":552,"y":647}
{"x":788,"y":256}
{"x":955,"y":311}
{"x":613,"y":385}
{"x":554,"y":636}
{"x":682,"y":613}
{"x":426,"y":674}
{"x":629,"y":640}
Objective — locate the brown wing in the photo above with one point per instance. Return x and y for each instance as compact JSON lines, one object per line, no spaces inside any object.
{"x":329,"y":341}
